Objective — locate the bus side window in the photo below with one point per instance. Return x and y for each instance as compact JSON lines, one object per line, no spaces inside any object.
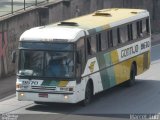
{"x":88,"y":46}
{"x":99,"y":48}
{"x":130,"y":33}
{"x":115,"y":37}
{"x":134,"y":30}
{"x":81,"y":50}
{"x":80,"y":59}
{"x":123,"y":34}
{"x":147,"y":26}
{"x":118,"y":33}
{"x":139,"y":29}
{"x":91,"y":45}
{"x":102,"y":41}
{"x":144,"y":27}
{"x":110,"y":39}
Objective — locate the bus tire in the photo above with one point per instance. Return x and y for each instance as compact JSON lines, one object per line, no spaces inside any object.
{"x":88,"y":94}
{"x":131,"y":81}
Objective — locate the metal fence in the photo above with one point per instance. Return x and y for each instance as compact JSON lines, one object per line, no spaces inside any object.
{"x":8,"y":7}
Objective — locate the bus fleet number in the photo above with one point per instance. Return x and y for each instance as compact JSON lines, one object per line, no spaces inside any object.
{"x":32,"y":83}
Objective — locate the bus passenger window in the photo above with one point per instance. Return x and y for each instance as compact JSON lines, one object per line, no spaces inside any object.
{"x":139,"y":29}
{"x":134,"y":30}
{"x":88,"y":46}
{"x":115,"y":37}
{"x":118,"y":33}
{"x":130,"y":33}
{"x":91,"y":45}
{"x":147,"y":25}
{"x":123,"y":34}
{"x":98,"y":36}
{"x":140,"y":23}
{"x":81,"y":51}
{"x":144,"y":27}
{"x":103,"y":39}
{"x":110,"y":39}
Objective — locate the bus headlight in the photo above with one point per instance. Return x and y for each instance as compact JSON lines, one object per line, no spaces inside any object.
{"x":65,"y":97}
{"x":21,"y":94}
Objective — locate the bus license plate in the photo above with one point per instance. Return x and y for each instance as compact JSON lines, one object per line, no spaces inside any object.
{"x":45,"y":95}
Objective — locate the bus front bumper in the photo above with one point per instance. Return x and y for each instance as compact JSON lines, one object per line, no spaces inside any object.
{"x":47,"y":97}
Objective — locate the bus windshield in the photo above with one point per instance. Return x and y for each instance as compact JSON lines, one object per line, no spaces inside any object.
{"x":46,"y":63}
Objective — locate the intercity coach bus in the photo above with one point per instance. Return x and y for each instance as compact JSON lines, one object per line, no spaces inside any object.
{"x":72,"y":60}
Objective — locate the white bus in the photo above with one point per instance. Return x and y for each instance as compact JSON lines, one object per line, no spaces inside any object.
{"x":70,"y":61}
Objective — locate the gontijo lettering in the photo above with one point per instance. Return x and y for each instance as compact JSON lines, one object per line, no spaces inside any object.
{"x":134,"y":49}
{"x":145,"y":45}
{"x":129,"y":51}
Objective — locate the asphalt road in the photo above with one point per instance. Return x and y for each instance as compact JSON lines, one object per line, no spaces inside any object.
{"x":7,"y":87}
{"x":119,"y":103}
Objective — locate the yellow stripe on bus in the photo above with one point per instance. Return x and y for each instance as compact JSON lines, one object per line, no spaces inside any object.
{"x":63,"y":83}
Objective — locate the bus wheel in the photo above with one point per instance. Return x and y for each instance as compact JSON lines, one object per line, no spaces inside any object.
{"x":88,"y":94}
{"x":131,"y":81}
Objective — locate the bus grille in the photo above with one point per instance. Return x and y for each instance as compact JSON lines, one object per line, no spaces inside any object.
{"x":43,"y":88}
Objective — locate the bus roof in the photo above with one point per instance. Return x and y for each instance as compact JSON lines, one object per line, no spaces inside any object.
{"x":44,"y":33}
{"x":108,"y":18}
{"x":91,"y":23}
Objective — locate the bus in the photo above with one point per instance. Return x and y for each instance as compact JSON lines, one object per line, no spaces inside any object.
{"x":72,"y":60}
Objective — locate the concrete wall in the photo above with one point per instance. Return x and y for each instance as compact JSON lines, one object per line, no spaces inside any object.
{"x":11,"y":28}
{"x":10,"y":31}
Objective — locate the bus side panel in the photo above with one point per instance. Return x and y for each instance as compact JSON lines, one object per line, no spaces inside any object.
{"x":139,"y":62}
{"x":118,"y":68}
{"x":106,"y":71}
{"x":146,"y":62}
{"x":122,"y":69}
{"x":149,"y":59}
{"x":108,"y":78}
{"x":143,"y":62}
{"x":114,"y":72}
{"x":92,"y":72}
